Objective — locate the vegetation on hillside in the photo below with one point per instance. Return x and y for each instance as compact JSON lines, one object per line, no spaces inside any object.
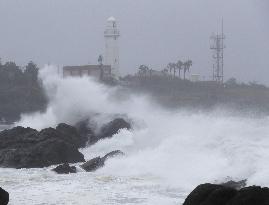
{"x":20,"y":91}
{"x":172,"y":91}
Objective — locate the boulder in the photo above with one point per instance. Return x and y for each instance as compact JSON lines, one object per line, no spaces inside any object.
{"x":27,"y":148}
{"x":108,"y":130}
{"x":98,"y":162}
{"x":4,"y":197}
{"x":113,"y":127}
{"x":72,"y":135}
{"x":65,"y":169}
{"x":250,"y":196}
{"x":214,"y":194}
{"x":86,"y":131}
{"x":113,"y":154}
{"x":201,"y":193}
{"x":220,"y":196}
{"x":236,"y":185}
{"x":93,"y":164}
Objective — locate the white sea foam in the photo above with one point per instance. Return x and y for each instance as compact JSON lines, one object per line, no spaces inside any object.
{"x":167,"y":152}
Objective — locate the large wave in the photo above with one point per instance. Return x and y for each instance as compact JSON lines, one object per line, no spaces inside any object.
{"x":180,"y":148}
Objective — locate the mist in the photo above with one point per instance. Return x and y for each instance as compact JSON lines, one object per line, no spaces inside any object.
{"x":152,"y":33}
{"x":75,"y":127}
{"x":165,"y":150}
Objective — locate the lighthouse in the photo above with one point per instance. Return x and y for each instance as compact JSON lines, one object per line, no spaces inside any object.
{"x":112,"y":35}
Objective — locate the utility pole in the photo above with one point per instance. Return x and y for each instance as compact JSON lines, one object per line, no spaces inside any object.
{"x":218,"y":55}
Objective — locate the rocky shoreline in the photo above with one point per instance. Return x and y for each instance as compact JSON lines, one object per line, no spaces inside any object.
{"x":230,"y":193}
{"x":4,"y":197}
{"x":28,"y":148}
{"x":89,"y":166}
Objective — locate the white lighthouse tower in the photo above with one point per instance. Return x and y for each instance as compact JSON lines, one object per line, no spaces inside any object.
{"x":112,"y":35}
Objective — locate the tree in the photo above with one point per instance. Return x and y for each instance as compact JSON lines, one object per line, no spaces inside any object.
{"x":231,"y":82}
{"x":186,"y":67}
{"x":31,"y":71}
{"x":143,"y":70}
{"x":165,"y":71}
{"x":175,"y":69}
{"x":179,"y":67}
{"x":172,"y":67}
{"x":12,"y":72}
{"x":20,"y":91}
{"x":11,"y":65}
{"x":100,"y":60}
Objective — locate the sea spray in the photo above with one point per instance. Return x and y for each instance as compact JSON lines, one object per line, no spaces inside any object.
{"x":166,"y":149}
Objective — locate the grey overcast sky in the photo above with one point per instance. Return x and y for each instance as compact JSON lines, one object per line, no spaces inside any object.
{"x":153,"y":32}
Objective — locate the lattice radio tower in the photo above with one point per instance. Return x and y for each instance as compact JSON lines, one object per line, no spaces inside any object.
{"x":218,"y":55}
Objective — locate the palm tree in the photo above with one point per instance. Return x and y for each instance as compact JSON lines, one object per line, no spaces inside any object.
{"x":186,"y":67}
{"x":179,"y":67}
{"x":143,"y":70}
{"x":170,"y":67}
{"x":165,"y":71}
{"x":100,"y":60}
{"x":175,"y":69}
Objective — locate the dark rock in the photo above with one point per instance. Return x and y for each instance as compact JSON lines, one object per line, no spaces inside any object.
{"x":27,"y":148}
{"x":251,"y":196}
{"x":65,"y":169}
{"x":113,"y":154}
{"x":220,"y":196}
{"x":113,"y":127}
{"x":72,"y":135}
{"x":212,"y":194}
{"x":83,"y":127}
{"x":236,"y":185}
{"x":98,"y":162}
{"x":86,"y":131}
{"x":4,"y":197}
{"x":93,"y":164}
{"x":200,"y":194}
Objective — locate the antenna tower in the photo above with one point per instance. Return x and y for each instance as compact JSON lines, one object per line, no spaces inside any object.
{"x":217,"y":47}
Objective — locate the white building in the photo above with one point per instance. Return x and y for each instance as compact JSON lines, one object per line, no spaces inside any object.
{"x":99,"y":72}
{"x":112,"y":35}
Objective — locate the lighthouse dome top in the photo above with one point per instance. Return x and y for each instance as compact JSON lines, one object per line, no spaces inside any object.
{"x":111,"y":19}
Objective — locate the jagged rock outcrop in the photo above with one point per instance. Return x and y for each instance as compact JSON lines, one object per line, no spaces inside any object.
{"x":236,"y":185}
{"x":72,"y":135}
{"x":113,"y":127}
{"x":227,"y":194}
{"x":98,"y":162}
{"x":113,"y":154}
{"x":4,"y":197}
{"x":93,"y":164}
{"x":108,"y":130}
{"x":27,"y":148}
{"x":84,"y":129}
{"x":65,"y":169}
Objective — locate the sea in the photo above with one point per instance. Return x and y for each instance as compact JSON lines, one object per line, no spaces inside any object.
{"x":167,"y":152}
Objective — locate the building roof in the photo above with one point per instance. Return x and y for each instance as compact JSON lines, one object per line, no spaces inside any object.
{"x":86,"y":67}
